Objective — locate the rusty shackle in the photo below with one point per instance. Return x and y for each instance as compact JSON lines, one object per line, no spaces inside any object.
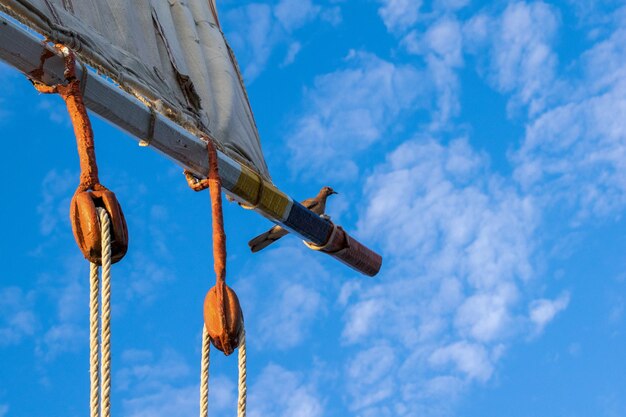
{"x":223,"y":317}
{"x":90,"y":193}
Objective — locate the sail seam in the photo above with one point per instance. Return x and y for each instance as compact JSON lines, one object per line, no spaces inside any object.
{"x":53,"y":11}
{"x":184,"y":81}
{"x":67,"y":4}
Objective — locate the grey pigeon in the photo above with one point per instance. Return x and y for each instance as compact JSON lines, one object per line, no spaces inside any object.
{"x":316,"y":204}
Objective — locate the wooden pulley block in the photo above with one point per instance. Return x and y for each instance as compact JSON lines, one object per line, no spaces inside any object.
{"x":223,"y":317}
{"x":86,"y":224}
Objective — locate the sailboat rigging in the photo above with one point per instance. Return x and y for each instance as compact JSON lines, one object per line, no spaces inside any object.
{"x":178,"y":90}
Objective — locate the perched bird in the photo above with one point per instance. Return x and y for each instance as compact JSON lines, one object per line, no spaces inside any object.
{"x":316,"y":204}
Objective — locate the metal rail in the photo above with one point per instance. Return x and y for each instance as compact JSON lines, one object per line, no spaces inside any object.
{"x":23,"y":51}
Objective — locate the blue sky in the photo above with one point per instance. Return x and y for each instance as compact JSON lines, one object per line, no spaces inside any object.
{"x":479,"y":146}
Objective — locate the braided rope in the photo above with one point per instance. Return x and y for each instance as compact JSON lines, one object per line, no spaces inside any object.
{"x":100,"y":322}
{"x":243,"y":389}
{"x":204,"y":373}
{"x":105,"y":404}
{"x":94,"y":345}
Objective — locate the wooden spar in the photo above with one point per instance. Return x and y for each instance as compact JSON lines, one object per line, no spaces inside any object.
{"x":23,"y":50}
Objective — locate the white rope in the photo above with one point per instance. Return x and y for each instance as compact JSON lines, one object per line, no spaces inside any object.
{"x":100,"y":348}
{"x":94,"y":345}
{"x":204,"y":375}
{"x":105,"y":370}
{"x":243,"y":389}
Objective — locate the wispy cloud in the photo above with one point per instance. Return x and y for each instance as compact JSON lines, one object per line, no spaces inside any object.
{"x":471,"y":359}
{"x":399,"y":15}
{"x":17,"y":316}
{"x":544,"y":310}
{"x":165,"y":385}
{"x":278,"y":392}
{"x":157,"y":386}
{"x":371,"y":375}
{"x":57,"y":188}
{"x":257,"y":30}
{"x":459,"y":244}
{"x":573,"y":152}
{"x":521,"y":61}
{"x":281,"y":314}
{"x":67,"y":286}
{"x":350,"y":110}
{"x":442,"y":48}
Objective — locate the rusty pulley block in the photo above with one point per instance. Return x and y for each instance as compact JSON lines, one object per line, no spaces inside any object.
{"x":223,"y":317}
{"x":86,"y":224}
{"x":90,"y":194}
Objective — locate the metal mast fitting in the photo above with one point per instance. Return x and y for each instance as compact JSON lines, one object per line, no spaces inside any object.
{"x":23,"y":51}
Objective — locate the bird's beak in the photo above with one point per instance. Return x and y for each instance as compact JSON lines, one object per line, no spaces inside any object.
{"x":334,"y":192}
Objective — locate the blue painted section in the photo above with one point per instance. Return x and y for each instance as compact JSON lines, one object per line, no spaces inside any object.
{"x":308,"y":224}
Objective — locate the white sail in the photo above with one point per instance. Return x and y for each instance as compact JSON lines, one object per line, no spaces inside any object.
{"x":169,"y":52}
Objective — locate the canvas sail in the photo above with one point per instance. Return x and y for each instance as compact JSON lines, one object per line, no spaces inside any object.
{"x":170,"y":53}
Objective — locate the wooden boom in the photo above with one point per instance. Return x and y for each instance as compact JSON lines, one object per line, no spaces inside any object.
{"x":23,"y":51}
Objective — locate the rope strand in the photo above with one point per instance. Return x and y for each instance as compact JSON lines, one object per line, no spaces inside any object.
{"x":105,"y":371}
{"x":94,"y":345}
{"x":204,"y":373}
{"x":100,"y":326}
{"x":243,"y":373}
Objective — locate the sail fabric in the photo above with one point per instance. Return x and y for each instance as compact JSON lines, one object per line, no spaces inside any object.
{"x":170,"y":53}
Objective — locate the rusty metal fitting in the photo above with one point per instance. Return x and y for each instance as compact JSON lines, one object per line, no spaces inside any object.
{"x":223,"y":317}
{"x":86,"y":224}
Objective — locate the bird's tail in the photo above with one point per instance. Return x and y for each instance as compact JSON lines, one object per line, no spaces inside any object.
{"x":261,"y":241}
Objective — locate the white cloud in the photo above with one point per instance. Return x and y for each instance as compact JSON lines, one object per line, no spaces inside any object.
{"x":254,"y":37}
{"x":293,"y":14}
{"x":360,"y":319}
{"x":55,"y":201}
{"x":54,"y":108}
{"x":442,"y":48}
{"x":398,"y":15}
{"x":486,"y":316}
{"x":522,"y":60}
{"x":459,"y":246}
{"x":166,"y":402}
{"x":544,"y":310}
{"x":67,"y":287}
{"x":348,"y":111}
{"x":17,"y":318}
{"x":257,"y":30}
{"x":145,"y":276}
{"x":451,"y":5}
{"x":574,"y":153}
{"x":278,"y":392}
{"x":167,"y":387}
{"x":62,"y":337}
{"x":66,"y":284}
{"x":370,"y":376}
{"x":147,"y":268}
{"x":470,"y":359}
{"x":142,"y":371}
{"x":285,"y":325}
{"x":294,"y":48}
{"x":281,"y":315}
